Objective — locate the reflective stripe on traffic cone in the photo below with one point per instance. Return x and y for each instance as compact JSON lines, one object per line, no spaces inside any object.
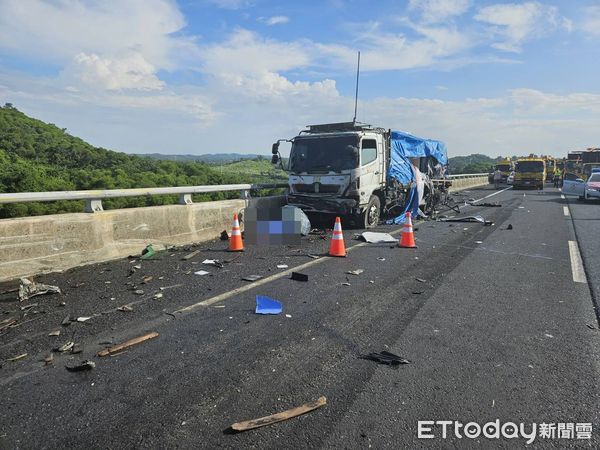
{"x":337,"y":247}
{"x":408,"y":238}
{"x":235,"y":241}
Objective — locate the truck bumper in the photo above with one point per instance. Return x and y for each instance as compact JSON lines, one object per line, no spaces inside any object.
{"x":323,"y":204}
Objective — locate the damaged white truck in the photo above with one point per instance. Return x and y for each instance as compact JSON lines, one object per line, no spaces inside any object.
{"x":364,"y":172}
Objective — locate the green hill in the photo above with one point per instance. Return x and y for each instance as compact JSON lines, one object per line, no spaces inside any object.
{"x":36,"y":156}
{"x":475,"y":163}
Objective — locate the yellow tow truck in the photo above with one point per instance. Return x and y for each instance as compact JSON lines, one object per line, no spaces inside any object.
{"x":530,"y":172}
{"x":505,"y":166}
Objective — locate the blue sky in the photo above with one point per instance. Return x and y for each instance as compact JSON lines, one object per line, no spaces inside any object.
{"x":214,"y":76}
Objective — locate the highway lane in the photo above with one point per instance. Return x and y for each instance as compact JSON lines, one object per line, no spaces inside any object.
{"x":497,"y":330}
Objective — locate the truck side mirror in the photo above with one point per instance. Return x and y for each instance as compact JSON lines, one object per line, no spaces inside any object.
{"x":275,"y":148}
{"x":274,"y":159}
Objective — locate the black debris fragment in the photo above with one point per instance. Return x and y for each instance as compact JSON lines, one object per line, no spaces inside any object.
{"x":509,"y":227}
{"x":299,"y":276}
{"x":386,"y":358}
{"x":85,"y":365}
{"x":224,"y":235}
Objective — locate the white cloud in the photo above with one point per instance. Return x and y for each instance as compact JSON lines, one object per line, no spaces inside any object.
{"x":274,"y":20}
{"x":436,"y":11}
{"x":591,"y":21}
{"x":515,"y":23}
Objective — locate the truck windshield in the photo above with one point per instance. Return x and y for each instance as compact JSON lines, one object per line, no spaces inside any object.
{"x":530,"y":166}
{"x":324,"y":154}
{"x":503,"y":167}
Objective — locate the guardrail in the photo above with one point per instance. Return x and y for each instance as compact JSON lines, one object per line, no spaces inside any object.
{"x":93,"y":199}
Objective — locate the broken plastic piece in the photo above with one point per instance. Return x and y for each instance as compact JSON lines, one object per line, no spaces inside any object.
{"x":266,"y":305}
{"x":83,"y":319}
{"x":201,"y":272}
{"x":386,"y":358}
{"x":125,"y":308}
{"x":282,"y":266}
{"x":148,"y":252}
{"x":119,"y":347}
{"x":224,"y":235}
{"x":28,"y":289}
{"x":54,"y":333}
{"x":297,"y":276}
{"x":378,"y":238}
{"x":213,"y":262}
{"x":66,"y":347}
{"x":274,"y":418}
{"x":85,"y":365}
{"x":252,"y":278}
{"x":355,"y":272}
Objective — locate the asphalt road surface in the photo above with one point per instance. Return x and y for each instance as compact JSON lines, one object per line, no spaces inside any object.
{"x":498,"y":324}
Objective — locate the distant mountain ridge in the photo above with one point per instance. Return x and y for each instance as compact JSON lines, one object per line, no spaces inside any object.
{"x":208,"y":158}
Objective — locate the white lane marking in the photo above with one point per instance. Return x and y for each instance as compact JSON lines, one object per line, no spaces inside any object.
{"x":565,"y":210}
{"x":492,"y":194}
{"x":562,"y":196}
{"x":576,"y":263}
{"x":228,"y":294}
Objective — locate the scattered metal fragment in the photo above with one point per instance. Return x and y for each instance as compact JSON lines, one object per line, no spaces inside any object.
{"x":378,"y":238}
{"x":421,"y":280}
{"x":28,"y":289}
{"x":380,"y":258}
{"x":66,"y":321}
{"x":147,"y":279}
{"x":201,"y":272}
{"x":355,"y":272}
{"x":346,"y":284}
{"x":66,"y":347}
{"x":85,"y":365}
{"x":266,"y":305}
{"x":478,"y":219}
{"x":190,"y":255}
{"x":590,"y":326}
{"x":83,"y":318}
{"x":386,"y":358}
{"x":252,"y":278}
{"x":297,"y":276}
{"x":158,"y":295}
{"x":312,"y":256}
{"x":138,"y":292}
{"x":282,"y":266}
{"x":26,"y":307}
{"x":119,"y":347}
{"x":18,"y":357}
{"x":125,"y":308}
{"x":54,"y":333}
{"x":49,"y":359}
{"x":213,"y":262}
{"x":279,"y":417}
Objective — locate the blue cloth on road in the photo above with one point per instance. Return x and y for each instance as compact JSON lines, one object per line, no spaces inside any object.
{"x":266,"y":305}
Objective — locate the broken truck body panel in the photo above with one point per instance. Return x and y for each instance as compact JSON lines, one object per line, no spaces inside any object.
{"x":359,"y":170}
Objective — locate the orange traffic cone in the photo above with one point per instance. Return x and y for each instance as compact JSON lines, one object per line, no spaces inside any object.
{"x":408,"y":238}
{"x":235,"y":240}
{"x":337,"y":247}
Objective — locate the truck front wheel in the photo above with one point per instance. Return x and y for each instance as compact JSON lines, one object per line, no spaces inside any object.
{"x":370,"y":217}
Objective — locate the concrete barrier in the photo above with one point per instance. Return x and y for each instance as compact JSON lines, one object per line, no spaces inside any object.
{"x":459,"y":184}
{"x":34,"y":245}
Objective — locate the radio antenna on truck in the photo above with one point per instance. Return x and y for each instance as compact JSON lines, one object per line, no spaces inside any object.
{"x":356,"y":95}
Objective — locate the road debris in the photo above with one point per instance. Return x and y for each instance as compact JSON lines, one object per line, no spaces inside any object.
{"x":125,"y":308}
{"x":279,"y":417}
{"x":378,"y":238}
{"x":49,"y":359}
{"x":478,"y":219}
{"x":26,"y":307}
{"x":380,"y":258}
{"x":421,"y":280}
{"x":355,"y":272}
{"x":479,"y":242}
{"x":201,"y":272}
{"x":213,"y":262}
{"x":312,"y":256}
{"x":158,"y":295}
{"x":28,"y":289}
{"x":224,"y":235}
{"x":590,"y":326}
{"x":54,"y":333}
{"x":487,"y":205}
{"x":282,"y":266}
{"x":297,"y":276}
{"x":7,"y":323}
{"x":66,"y":347}
{"x":148,"y":252}
{"x":509,"y":227}
{"x":386,"y":358}
{"x":125,"y":345}
{"x":76,"y":349}
{"x":266,"y":305}
{"x":147,"y":279}
{"x":346,"y":284}
{"x":289,"y":316}
{"x":18,"y":357}
{"x":190,"y":255}
{"x":252,"y":278}
{"x":66,"y":321}
{"x":85,"y":365}
{"x":83,"y":318}
{"x":138,"y":292}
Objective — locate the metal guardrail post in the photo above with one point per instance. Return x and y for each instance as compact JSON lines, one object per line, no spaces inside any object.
{"x":185,"y":199}
{"x":245,"y":194}
{"x":93,"y":205}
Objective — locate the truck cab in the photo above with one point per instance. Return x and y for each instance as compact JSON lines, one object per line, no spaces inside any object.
{"x":530,"y":172}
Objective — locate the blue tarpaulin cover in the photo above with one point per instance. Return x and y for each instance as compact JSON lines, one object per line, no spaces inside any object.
{"x":404,"y":146}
